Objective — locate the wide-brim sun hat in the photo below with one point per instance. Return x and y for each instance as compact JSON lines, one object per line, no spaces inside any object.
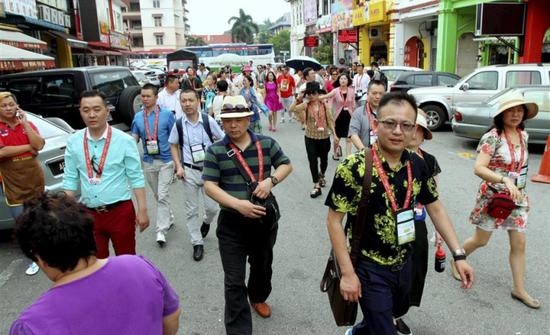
{"x":516,"y":99}
{"x":234,"y":107}
{"x":422,"y":122}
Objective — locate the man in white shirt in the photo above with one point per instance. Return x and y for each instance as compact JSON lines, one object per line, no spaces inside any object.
{"x":360,"y":81}
{"x":169,"y":97}
{"x":202,"y":72}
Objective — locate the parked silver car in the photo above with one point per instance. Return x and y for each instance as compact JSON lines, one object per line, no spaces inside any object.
{"x":51,"y":157}
{"x":472,"y":120}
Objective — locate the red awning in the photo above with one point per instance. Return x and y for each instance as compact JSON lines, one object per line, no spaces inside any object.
{"x":22,"y":41}
{"x":18,"y":65}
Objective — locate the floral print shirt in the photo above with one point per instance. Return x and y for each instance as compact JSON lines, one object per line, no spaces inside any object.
{"x":379,"y":240}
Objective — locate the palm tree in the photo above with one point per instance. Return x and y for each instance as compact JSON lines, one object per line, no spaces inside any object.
{"x":243,"y":28}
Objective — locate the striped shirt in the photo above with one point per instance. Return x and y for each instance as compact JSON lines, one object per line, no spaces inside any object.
{"x":219,"y":168}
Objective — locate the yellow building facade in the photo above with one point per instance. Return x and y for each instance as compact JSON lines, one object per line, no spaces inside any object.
{"x":374,"y":20}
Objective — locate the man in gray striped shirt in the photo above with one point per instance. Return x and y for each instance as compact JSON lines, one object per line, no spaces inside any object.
{"x":245,"y":228}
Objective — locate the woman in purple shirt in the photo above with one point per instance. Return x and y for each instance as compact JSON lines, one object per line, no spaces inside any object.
{"x":118,"y":295}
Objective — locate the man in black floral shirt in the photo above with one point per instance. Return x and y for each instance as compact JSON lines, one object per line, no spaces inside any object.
{"x":382,"y":276}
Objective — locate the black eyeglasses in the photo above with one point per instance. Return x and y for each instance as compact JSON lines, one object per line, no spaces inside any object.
{"x":392,"y":125}
{"x":92,"y":164}
{"x":236,"y":108}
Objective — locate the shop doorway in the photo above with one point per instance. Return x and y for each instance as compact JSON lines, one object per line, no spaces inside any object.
{"x":379,"y":51}
{"x":466,"y":58}
{"x":545,"y":56}
{"x":414,"y":52}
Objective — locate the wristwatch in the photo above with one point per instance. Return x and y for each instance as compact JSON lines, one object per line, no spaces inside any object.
{"x":274,"y":180}
{"x":459,"y":255}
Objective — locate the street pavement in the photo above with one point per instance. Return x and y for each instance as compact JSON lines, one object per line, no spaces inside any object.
{"x":302,"y":249}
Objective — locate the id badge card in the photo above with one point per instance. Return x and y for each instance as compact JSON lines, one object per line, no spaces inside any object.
{"x":152,"y":147}
{"x":94,"y":181}
{"x":197,"y":153}
{"x":404,"y":220}
{"x":521,"y":180}
{"x":373,"y":137}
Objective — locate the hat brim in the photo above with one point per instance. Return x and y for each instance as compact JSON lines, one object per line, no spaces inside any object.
{"x":235,"y":115}
{"x":532,"y":108}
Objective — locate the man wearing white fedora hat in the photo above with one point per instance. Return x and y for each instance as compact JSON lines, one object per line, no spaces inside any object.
{"x":238,"y":175}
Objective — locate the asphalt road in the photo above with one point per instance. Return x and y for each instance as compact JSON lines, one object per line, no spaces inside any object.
{"x":302,"y":248}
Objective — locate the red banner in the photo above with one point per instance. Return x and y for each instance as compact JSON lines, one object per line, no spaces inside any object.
{"x":25,"y":45}
{"x":348,"y":36}
{"x":311,"y":41}
{"x":15,"y":65}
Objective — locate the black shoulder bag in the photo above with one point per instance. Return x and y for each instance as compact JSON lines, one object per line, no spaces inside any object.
{"x":345,"y":312}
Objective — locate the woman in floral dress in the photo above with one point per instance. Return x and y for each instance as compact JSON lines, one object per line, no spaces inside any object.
{"x":502,"y":165}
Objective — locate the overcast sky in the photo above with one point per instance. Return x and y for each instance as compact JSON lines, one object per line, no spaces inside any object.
{"x":209,"y":17}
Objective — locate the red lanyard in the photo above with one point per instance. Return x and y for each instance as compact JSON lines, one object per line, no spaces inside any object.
{"x":155,"y":132}
{"x":369,"y":116}
{"x":245,"y":166}
{"x":513,"y":152}
{"x":103,"y":154}
{"x":385,"y":182}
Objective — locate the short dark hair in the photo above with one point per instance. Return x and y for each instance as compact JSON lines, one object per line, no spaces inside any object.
{"x":249,"y":78}
{"x":374,"y":64}
{"x":201,"y":64}
{"x":375,"y":82}
{"x":306,"y":71}
{"x":151,"y":87}
{"x":170,"y":78}
{"x":56,"y":228}
{"x":312,"y":87}
{"x":397,"y":98}
{"x":93,"y":94}
{"x":188,"y":90}
{"x":222,"y":85}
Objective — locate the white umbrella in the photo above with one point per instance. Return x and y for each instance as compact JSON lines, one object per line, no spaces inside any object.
{"x":227,"y":59}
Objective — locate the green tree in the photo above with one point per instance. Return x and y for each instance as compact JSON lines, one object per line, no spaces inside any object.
{"x":323,"y":53}
{"x":243,"y":28}
{"x":263,"y":37}
{"x":281,"y":41}
{"x":195,"y":41}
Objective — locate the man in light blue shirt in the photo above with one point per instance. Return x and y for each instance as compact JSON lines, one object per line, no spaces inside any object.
{"x":190,"y":143}
{"x":104,"y":163}
{"x":153,"y":125}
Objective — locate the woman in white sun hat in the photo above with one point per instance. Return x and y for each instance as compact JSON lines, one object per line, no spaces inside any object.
{"x":502,"y":163}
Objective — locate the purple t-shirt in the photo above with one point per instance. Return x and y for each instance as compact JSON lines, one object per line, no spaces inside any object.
{"x":128,"y":295}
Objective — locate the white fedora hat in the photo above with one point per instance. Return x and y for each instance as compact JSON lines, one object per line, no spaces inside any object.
{"x":422,"y":122}
{"x":235,"y":107}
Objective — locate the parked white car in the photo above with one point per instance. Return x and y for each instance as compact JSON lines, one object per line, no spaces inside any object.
{"x":439,"y":102}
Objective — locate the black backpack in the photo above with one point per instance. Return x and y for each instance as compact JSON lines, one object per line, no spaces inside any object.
{"x":205,"y":124}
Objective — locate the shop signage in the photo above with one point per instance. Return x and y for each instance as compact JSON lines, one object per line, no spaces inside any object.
{"x":119,"y":41}
{"x":311,"y":41}
{"x":25,"y":45}
{"x":11,"y":65}
{"x":310,"y":12}
{"x":361,"y":15}
{"x":342,"y":14}
{"x":348,"y":36}
{"x":21,"y":7}
{"x":377,"y":11}
{"x":323,"y":25}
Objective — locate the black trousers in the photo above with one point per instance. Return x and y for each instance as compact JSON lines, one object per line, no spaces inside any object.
{"x":239,"y":238}
{"x":317,"y":150}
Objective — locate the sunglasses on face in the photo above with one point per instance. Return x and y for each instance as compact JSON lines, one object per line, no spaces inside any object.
{"x":392,"y":125}
{"x":238,"y":108}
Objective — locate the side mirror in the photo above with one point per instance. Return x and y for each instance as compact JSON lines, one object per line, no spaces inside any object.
{"x":465,"y":87}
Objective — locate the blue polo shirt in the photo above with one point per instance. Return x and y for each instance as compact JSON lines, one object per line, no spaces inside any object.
{"x":166,"y":122}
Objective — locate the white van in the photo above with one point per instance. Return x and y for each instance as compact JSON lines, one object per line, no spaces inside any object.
{"x":439,"y":102}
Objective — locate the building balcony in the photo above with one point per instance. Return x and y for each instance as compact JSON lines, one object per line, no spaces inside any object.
{"x":132,"y":14}
{"x":135,"y":31}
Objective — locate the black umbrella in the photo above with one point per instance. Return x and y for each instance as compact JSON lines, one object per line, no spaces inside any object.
{"x":301,"y":62}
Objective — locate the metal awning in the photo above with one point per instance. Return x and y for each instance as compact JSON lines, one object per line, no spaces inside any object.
{"x":71,"y":40}
{"x":14,"y":59}
{"x":20,"y":40}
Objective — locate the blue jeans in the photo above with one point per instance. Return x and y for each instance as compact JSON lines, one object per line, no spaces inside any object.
{"x":385,"y":295}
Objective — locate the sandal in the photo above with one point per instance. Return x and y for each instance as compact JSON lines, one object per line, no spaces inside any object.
{"x":533,"y":303}
{"x":336,"y":158}
{"x":322,"y":181}
{"x":316,"y":192}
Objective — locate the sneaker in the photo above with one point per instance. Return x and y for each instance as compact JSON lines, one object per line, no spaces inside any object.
{"x":161,"y":239}
{"x":32,"y":269}
{"x":402,"y":327}
{"x":349,"y":331}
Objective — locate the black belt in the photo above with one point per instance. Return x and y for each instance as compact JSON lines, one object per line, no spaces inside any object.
{"x":107,"y":208}
{"x":194,"y":167}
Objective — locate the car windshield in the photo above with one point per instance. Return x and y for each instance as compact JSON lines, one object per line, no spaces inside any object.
{"x":112,"y":83}
{"x":45,"y":128}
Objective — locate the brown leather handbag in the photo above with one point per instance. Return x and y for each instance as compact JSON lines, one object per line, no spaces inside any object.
{"x":345,"y":312}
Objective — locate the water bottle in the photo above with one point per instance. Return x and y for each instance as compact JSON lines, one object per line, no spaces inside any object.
{"x":439,"y":259}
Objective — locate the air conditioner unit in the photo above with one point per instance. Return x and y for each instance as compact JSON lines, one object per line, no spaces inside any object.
{"x":375,"y":32}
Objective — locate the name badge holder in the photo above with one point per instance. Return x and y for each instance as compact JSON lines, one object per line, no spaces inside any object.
{"x":197,"y":153}
{"x":518,"y":171}
{"x":152,"y":147}
{"x":521,"y":178}
{"x":151,"y":143}
{"x":404,"y":220}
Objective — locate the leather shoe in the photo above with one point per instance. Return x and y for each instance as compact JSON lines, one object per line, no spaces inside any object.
{"x":205,"y":228}
{"x":262,"y":309}
{"x":198,"y":252}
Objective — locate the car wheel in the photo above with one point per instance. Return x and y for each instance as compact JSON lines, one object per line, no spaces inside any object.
{"x":435,"y":116}
{"x":129,"y":104}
